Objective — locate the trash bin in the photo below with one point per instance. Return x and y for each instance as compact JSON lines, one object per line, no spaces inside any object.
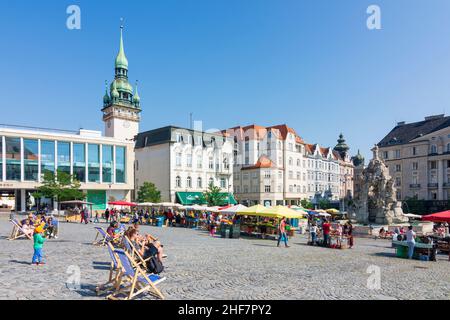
{"x":225,"y":230}
{"x":235,"y":231}
{"x":159,"y":221}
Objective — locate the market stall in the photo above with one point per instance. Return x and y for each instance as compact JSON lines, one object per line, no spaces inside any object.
{"x":261,"y":221}
{"x":72,"y":209}
{"x":122,"y":205}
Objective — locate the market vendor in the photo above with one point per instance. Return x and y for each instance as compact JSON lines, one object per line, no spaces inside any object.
{"x":411,"y":240}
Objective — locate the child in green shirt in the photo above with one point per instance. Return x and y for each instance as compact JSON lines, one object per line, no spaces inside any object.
{"x":38,"y":244}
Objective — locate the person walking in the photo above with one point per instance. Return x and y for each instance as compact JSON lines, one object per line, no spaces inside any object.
{"x":411,"y":241}
{"x":313,"y":233}
{"x":83,"y":216}
{"x":282,"y":236}
{"x":96,"y":220}
{"x":107,"y":215}
{"x":326,"y":228}
{"x":350,"y":234}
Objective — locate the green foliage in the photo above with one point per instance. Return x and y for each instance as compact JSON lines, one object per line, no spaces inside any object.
{"x":305,"y":203}
{"x":149,"y":193}
{"x":324,"y":204}
{"x":61,"y":187}
{"x":213,"y":196}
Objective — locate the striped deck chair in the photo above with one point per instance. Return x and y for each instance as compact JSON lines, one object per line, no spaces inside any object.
{"x":105,"y":237}
{"x":17,"y":231}
{"x":134,"y":253}
{"x":133,"y":280}
{"x":114,"y":272}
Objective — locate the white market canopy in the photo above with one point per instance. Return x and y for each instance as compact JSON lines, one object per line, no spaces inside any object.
{"x":234,"y":209}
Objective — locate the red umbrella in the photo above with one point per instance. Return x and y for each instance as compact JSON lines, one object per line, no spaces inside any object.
{"x":122,"y":203}
{"x":443,"y":216}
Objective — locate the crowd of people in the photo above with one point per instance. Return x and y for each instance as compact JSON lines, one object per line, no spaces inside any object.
{"x":321,"y":230}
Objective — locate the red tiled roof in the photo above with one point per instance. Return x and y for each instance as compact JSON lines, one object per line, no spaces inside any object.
{"x":263,"y":162}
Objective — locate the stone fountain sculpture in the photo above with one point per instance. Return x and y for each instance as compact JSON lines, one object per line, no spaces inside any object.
{"x":377,"y":201}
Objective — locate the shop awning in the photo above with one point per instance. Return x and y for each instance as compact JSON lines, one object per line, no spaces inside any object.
{"x":191,"y":198}
{"x":438,"y":217}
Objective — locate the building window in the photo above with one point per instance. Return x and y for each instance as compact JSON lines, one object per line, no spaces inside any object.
{"x":414,"y":151}
{"x":30,"y":159}
{"x":178,"y":182}
{"x":247,"y":160}
{"x":211,"y":162}
{"x":189,"y":160}
{"x":223,"y":183}
{"x":47,"y":156}
{"x":397,"y":154}
{"x":178,"y":159}
{"x":79,"y":162}
{"x":266,"y":188}
{"x":290,"y":161}
{"x":226,"y":165}
{"x":398,"y":168}
{"x":398,"y":181}
{"x":267,"y":174}
{"x":63,"y":156}
{"x":433,"y":149}
{"x":386,"y":155}
{"x":179,"y":137}
{"x":189,"y":182}
{"x":433,"y":165}
{"x":120,"y":165}
{"x":448,"y":147}
{"x":93,"y":163}
{"x":107,"y":163}
{"x":199,"y":161}
{"x":211,"y":182}
{"x":415,"y":165}
{"x":199,"y":183}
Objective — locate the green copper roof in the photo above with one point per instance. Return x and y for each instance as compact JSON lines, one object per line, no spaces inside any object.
{"x":106,"y":96}
{"x":121,"y":60}
{"x":136,"y":97}
{"x":114,"y":92}
{"x":341,"y":146}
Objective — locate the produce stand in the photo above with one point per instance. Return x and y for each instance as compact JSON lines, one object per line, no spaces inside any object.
{"x":69,"y":214}
{"x":422,"y":251}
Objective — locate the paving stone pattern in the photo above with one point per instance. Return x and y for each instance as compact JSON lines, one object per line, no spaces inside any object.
{"x":201,"y":267}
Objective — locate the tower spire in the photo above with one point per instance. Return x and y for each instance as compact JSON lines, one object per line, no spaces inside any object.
{"x":121,"y":60}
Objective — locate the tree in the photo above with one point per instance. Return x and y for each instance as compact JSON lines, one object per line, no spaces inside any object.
{"x":61,"y":187}
{"x":148,"y":193}
{"x":324,"y":204}
{"x":305,"y":203}
{"x":214,"y":196}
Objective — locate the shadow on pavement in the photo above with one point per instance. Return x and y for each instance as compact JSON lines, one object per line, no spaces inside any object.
{"x":20,"y":262}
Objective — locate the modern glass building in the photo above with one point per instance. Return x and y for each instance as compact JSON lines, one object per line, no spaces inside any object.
{"x":103,"y":165}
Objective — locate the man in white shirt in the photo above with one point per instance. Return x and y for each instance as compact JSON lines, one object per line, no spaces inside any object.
{"x":411,"y":241}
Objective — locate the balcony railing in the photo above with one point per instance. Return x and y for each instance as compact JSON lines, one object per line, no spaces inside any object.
{"x":432,"y":185}
{"x":446,"y":185}
{"x":414,"y":185}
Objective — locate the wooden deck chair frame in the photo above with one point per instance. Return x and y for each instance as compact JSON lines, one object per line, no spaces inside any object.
{"x":114,"y":274}
{"x":131,"y":286}
{"x":105,"y":238}
{"x":138,"y":258}
{"x":17,"y":232}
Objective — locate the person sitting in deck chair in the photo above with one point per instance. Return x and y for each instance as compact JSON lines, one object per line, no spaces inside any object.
{"x":28,"y":227}
{"x":51,"y":228}
{"x":146,"y":247}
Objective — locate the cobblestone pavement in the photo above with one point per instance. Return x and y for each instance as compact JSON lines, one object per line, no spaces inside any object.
{"x":200,"y":267}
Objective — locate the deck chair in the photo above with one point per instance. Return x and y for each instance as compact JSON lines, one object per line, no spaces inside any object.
{"x":105,"y":237}
{"x":133,"y":280}
{"x":134,"y":253}
{"x":114,"y":272}
{"x":17,"y":231}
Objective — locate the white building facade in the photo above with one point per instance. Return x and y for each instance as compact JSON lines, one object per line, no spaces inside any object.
{"x":182,"y":163}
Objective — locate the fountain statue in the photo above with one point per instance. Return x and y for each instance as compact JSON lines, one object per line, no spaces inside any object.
{"x":377,"y":200}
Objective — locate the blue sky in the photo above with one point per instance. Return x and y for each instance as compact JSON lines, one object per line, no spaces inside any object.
{"x":311,"y":64}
